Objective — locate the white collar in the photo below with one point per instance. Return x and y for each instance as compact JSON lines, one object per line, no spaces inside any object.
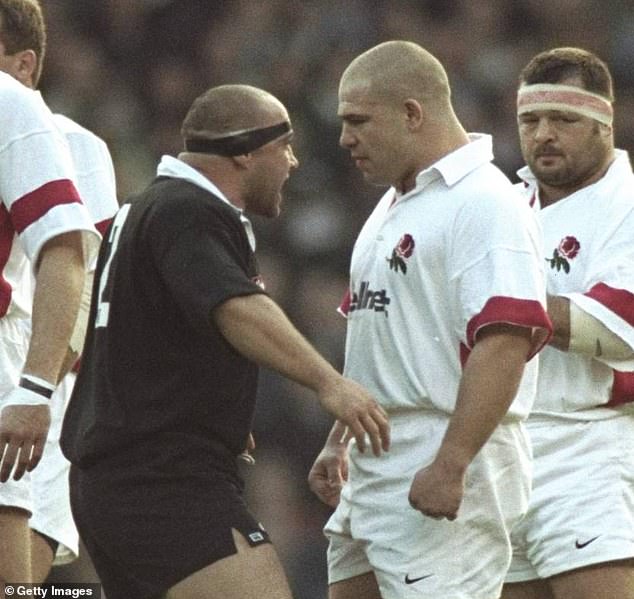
{"x":457,"y":164}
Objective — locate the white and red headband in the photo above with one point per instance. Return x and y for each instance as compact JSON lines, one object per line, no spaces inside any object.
{"x":566,"y":98}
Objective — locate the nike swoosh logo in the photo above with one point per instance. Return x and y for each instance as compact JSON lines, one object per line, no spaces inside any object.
{"x":579,"y":545}
{"x":409,"y":580}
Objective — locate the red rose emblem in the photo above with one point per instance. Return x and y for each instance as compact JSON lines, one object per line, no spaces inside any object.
{"x":405,"y":246}
{"x":403,"y":250}
{"x":569,"y":247}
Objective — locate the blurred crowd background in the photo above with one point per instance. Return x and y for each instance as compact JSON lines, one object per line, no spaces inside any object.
{"x":129,"y":69}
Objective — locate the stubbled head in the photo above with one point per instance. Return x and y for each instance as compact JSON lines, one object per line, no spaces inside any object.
{"x":228,"y":109}
{"x":250,"y":150}
{"x":396,"y":70}
{"x":395,"y":106}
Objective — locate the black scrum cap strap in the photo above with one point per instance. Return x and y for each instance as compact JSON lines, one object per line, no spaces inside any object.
{"x":241,"y":143}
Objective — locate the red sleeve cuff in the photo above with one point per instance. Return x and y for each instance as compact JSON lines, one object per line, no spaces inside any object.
{"x":519,"y":312}
{"x":34,"y":205}
{"x":344,"y":306}
{"x":619,"y":301}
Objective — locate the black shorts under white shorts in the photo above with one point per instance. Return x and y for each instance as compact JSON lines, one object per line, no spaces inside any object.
{"x":146,"y":529}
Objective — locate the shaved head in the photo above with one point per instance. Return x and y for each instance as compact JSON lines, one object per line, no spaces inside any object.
{"x":229,"y":109}
{"x":397,"y":70}
{"x":396,"y":113}
{"x":239,"y":137}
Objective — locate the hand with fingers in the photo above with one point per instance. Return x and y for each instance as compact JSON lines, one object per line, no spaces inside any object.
{"x":330,"y":471}
{"x":24,"y":426}
{"x":437,"y":491}
{"x":354,"y":407}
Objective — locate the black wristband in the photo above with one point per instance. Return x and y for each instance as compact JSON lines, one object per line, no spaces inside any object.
{"x":39,"y":389}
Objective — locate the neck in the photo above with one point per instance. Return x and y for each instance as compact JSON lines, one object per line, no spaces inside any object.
{"x":448,"y":140}
{"x":219,"y":171}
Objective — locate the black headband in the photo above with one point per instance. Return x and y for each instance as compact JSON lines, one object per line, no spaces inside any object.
{"x":239,"y":144}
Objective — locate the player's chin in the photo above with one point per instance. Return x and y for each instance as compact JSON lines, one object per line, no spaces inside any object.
{"x":268,"y":206}
{"x":277,"y":205}
{"x":375,"y":178}
{"x":272,"y":210}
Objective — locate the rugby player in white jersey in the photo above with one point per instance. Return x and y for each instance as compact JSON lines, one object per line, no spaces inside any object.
{"x":45,"y":228}
{"x":22,"y":49}
{"x":446,"y":309}
{"x":577,"y":539}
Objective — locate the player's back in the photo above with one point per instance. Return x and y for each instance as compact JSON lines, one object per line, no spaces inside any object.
{"x":94,"y":169}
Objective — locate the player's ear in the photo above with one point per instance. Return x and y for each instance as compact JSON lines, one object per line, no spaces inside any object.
{"x":26,"y":65}
{"x":243,"y":160}
{"x":414,"y":113}
{"x":606,"y":130}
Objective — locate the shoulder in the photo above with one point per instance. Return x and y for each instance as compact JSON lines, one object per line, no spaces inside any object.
{"x":78,"y":135}
{"x":488,"y":176}
{"x":488,"y":188}
{"x":183,"y":204}
{"x":10,"y":89}
{"x":68,"y":126}
{"x":492,"y":209}
{"x":19,"y":104}
{"x":624,"y":192}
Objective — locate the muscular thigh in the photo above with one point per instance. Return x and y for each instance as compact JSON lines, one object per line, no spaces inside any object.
{"x":532,"y":589}
{"x":15,"y":551}
{"x":612,"y":580}
{"x":364,"y":586}
{"x":251,"y":573}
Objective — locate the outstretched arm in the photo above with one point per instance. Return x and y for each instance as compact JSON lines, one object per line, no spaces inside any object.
{"x":257,"y":328}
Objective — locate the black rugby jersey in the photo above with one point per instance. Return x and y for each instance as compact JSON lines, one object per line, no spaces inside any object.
{"x":155,"y":370}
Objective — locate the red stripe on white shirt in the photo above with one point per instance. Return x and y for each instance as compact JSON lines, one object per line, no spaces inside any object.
{"x":344,"y":306}
{"x":7,"y":235}
{"x":103,"y":225}
{"x":622,"y":388}
{"x":619,"y":301}
{"x":35,"y":204}
{"x":514,"y":311}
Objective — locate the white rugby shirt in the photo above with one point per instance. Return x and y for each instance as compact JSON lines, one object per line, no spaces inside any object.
{"x":94,"y":170}
{"x":39,"y":199}
{"x":458,"y":252}
{"x":589,"y":257}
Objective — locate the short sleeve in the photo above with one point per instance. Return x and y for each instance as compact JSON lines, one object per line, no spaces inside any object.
{"x":206,"y":262}
{"x":37,"y":180}
{"x":497,"y":275}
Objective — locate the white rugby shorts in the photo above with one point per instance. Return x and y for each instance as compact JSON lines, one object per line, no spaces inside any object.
{"x":413,"y":556}
{"x":14,"y":343}
{"x":52,"y":515}
{"x":44,"y":491}
{"x":581,"y":510}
